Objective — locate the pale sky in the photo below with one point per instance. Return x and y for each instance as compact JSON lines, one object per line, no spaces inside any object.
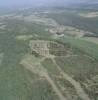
{"x":40,"y":2}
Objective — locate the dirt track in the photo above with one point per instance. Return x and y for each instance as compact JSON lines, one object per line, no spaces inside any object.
{"x":39,"y":69}
{"x":1,"y":57}
{"x":42,"y":72}
{"x":76,"y":84}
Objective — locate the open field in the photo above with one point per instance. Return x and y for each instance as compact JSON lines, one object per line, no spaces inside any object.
{"x":80,"y":74}
{"x":45,"y":55}
{"x":89,"y":15}
{"x":86,"y":47}
{"x":1,"y":58}
{"x":37,"y":19}
{"x":70,"y":31}
{"x":91,"y":39}
{"x":84,"y":70}
{"x":24,"y":37}
{"x":69,"y":18}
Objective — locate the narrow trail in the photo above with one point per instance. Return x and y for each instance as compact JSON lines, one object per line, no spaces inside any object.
{"x":76,"y":84}
{"x":42,"y":72}
{"x":55,"y":88}
{"x":1,"y":57}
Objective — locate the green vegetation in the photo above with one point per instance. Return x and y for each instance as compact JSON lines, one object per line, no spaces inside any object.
{"x":41,"y":90}
{"x":71,"y":18}
{"x":16,"y":81}
{"x":81,"y":67}
{"x":89,"y":48}
{"x":65,"y":87}
{"x":77,"y":57}
{"x":51,"y":68}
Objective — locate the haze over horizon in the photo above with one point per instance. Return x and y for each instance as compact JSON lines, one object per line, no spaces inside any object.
{"x":13,"y":3}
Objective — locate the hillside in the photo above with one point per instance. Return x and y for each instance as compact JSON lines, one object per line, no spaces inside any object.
{"x":49,"y":54}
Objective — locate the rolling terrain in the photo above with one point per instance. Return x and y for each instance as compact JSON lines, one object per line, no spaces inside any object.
{"x":49,"y":54}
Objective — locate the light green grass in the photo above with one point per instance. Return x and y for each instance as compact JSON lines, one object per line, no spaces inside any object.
{"x":86,"y":47}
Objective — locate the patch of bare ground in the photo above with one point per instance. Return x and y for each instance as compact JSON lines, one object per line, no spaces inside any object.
{"x":43,"y":72}
{"x":38,"y":69}
{"x":68,"y":30}
{"x":41,"y":47}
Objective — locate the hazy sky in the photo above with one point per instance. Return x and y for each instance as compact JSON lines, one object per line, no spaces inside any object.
{"x":39,"y":2}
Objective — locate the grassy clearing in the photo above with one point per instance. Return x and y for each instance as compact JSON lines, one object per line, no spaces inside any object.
{"x":24,"y":37}
{"x":41,"y":90}
{"x":91,"y":39}
{"x":32,"y":58}
{"x":51,"y":68}
{"x":80,"y":67}
{"x":88,"y":48}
